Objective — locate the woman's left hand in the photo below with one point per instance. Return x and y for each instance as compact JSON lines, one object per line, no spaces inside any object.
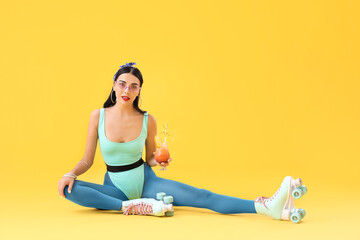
{"x":164,"y":164}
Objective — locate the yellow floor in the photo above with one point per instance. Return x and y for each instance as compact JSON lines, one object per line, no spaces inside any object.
{"x":50,"y":217}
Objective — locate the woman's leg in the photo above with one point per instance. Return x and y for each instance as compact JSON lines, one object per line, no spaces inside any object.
{"x":186,"y":195}
{"x":106,"y":197}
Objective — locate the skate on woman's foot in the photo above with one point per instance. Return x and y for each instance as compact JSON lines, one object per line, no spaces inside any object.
{"x":149,"y":206}
{"x":282,"y":204}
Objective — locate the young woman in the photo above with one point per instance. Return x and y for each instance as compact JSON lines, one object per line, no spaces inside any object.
{"x":131,"y":186}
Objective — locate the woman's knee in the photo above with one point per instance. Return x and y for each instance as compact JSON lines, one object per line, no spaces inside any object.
{"x":74,"y":188}
{"x":65,"y":191}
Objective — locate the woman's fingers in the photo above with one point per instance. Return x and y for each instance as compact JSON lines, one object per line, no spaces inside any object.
{"x":169,"y":160}
{"x":165,"y":164}
{"x":63,"y":183}
{"x":70,"y":186}
{"x":61,"y":189}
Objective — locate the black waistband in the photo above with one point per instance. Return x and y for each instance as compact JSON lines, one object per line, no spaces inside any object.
{"x":125,"y":167}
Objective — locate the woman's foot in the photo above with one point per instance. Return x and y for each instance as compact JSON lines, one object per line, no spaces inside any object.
{"x":281,"y":204}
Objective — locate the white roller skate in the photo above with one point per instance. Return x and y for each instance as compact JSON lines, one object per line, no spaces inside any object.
{"x":149,"y":206}
{"x":281,"y":205}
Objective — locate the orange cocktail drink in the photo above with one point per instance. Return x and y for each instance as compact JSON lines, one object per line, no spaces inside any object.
{"x":162,"y":153}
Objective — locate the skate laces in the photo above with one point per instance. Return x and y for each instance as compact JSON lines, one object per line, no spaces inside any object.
{"x":139,"y":208}
{"x":262,"y":200}
{"x":266,"y":199}
{"x":273,"y":196}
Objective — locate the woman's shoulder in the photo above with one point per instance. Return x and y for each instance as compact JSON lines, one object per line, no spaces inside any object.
{"x":150,"y":116}
{"x":94,"y":117}
{"x":95,"y":113}
{"x":151,"y":125}
{"x":151,"y":120}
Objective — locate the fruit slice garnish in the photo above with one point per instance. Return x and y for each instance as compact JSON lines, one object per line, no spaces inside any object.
{"x":158,"y":141}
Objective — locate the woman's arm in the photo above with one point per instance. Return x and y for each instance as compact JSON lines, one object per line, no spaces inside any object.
{"x":150,"y":141}
{"x":87,"y":161}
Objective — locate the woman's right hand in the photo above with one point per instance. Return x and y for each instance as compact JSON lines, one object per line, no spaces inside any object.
{"x":62,"y":183}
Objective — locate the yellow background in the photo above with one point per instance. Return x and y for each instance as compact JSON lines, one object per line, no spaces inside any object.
{"x":254,"y":91}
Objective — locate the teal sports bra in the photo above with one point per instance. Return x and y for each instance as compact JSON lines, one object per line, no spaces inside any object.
{"x":131,"y":182}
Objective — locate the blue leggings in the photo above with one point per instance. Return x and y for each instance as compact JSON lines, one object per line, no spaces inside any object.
{"x":109,"y":197}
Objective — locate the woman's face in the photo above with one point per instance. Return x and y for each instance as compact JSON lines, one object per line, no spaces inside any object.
{"x":131,"y":90}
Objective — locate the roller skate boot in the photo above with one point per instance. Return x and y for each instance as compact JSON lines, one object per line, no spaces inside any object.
{"x":281,"y":205}
{"x":149,"y":206}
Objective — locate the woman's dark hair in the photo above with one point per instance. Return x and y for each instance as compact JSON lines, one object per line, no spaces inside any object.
{"x":134,"y":71}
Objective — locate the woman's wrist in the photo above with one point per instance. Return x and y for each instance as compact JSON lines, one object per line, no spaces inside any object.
{"x":152,"y":162}
{"x":81,"y":167}
{"x":69,"y":174}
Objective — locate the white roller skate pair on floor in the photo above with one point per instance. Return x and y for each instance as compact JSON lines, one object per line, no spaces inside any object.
{"x":281,"y":205}
{"x":149,"y":206}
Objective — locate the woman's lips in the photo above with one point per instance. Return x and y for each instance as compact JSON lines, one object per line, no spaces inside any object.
{"x":125,"y":98}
